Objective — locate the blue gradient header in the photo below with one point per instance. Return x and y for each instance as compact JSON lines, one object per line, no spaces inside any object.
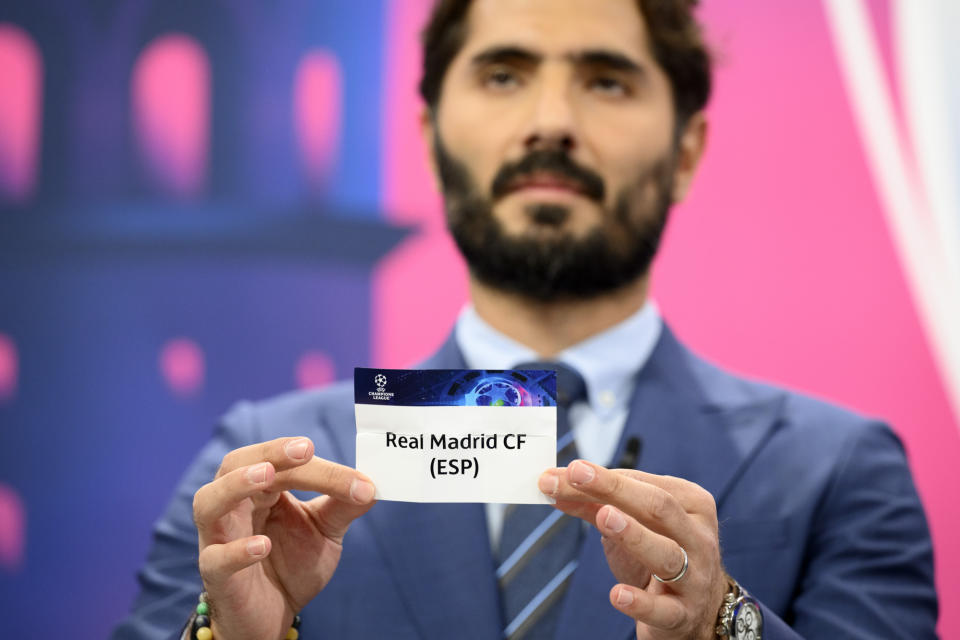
{"x":455,"y":387}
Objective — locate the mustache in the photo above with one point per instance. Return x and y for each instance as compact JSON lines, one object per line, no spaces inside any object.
{"x":554,"y":162}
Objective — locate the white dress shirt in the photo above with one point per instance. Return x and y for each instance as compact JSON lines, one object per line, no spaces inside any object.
{"x":608,"y":362}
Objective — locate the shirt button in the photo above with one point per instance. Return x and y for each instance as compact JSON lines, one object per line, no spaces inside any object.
{"x":607,"y":398}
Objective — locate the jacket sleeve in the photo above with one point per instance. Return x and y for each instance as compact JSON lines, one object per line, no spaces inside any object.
{"x":170,"y":581}
{"x":869,"y":559}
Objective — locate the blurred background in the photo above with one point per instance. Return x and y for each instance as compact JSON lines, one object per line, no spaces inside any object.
{"x":202,"y":202}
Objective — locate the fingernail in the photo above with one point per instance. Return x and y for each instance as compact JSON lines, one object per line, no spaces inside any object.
{"x":624,"y":597}
{"x":257,"y":474}
{"x":549,"y":484}
{"x":362,"y":492}
{"x":581,"y":473}
{"x":296,"y":449}
{"x":615,"y":520}
{"x":256,"y":547}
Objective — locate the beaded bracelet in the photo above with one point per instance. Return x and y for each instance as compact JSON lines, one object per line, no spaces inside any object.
{"x":201,"y":623}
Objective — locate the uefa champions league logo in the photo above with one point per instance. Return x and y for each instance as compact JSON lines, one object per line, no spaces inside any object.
{"x":380,"y":381}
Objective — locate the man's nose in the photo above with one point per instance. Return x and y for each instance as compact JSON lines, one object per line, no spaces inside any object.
{"x":553,"y":119}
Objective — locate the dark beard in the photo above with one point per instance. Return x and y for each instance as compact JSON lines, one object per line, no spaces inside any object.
{"x":557,"y":266}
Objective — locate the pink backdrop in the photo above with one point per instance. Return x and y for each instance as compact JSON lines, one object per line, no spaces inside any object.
{"x":779,"y":266}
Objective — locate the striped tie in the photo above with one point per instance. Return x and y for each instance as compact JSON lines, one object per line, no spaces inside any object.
{"x":539,"y":545}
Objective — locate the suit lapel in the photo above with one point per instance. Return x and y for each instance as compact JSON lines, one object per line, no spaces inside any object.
{"x":439,"y":554}
{"x":683,"y":435}
{"x":671,"y":416}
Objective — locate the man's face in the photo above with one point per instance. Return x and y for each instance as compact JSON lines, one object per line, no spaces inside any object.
{"x":554,"y":142}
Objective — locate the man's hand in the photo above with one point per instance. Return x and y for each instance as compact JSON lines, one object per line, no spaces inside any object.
{"x":263,"y":553}
{"x":645,"y":520}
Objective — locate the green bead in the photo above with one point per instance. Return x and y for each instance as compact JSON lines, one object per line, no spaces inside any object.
{"x":203,"y":609}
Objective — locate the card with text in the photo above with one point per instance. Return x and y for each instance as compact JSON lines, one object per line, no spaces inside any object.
{"x":455,"y":435}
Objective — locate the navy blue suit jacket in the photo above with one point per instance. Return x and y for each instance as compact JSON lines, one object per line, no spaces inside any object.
{"x":819,"y":519}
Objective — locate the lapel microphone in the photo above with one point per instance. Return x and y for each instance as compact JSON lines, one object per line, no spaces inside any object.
{"x":631,"y":453}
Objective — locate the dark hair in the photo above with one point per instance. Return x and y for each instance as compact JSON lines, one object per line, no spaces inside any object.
{"x":676,"y":40}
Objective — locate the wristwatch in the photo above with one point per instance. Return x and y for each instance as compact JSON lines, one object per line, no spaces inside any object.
{"x":740,"y":615}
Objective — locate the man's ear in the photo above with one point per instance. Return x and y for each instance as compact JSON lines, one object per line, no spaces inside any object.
{"x":690,"y":148}
{"x":428,"y":132}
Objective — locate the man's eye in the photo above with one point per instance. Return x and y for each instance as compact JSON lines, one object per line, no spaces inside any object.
{"x":500,"y":79}
{"x":608,"y":86}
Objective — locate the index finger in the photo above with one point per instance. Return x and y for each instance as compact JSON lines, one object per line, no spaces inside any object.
{"x":650,"y":505}
{"x":693,"y":497}
{"x":328,"y":478}
{"x":282,"y":453}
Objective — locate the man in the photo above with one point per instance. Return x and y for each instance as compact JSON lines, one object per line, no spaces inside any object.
{"x":561,"y":132}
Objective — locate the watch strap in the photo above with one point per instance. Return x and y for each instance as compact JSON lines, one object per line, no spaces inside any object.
{"x":724,"y":628}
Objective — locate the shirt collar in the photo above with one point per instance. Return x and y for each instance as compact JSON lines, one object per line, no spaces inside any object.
{"x":608,"y":361}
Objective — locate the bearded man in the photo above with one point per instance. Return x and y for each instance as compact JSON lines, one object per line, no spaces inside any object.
{"x":561,"y":133}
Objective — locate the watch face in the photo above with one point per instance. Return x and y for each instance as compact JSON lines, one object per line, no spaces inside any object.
{"x":748,"y":621}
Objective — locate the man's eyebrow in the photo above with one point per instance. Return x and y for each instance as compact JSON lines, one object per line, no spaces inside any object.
{"x":608,"y":59}
{"x":505,"y":53}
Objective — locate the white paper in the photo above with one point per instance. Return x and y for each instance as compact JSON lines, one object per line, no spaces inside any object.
{"x":414,"y":454}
